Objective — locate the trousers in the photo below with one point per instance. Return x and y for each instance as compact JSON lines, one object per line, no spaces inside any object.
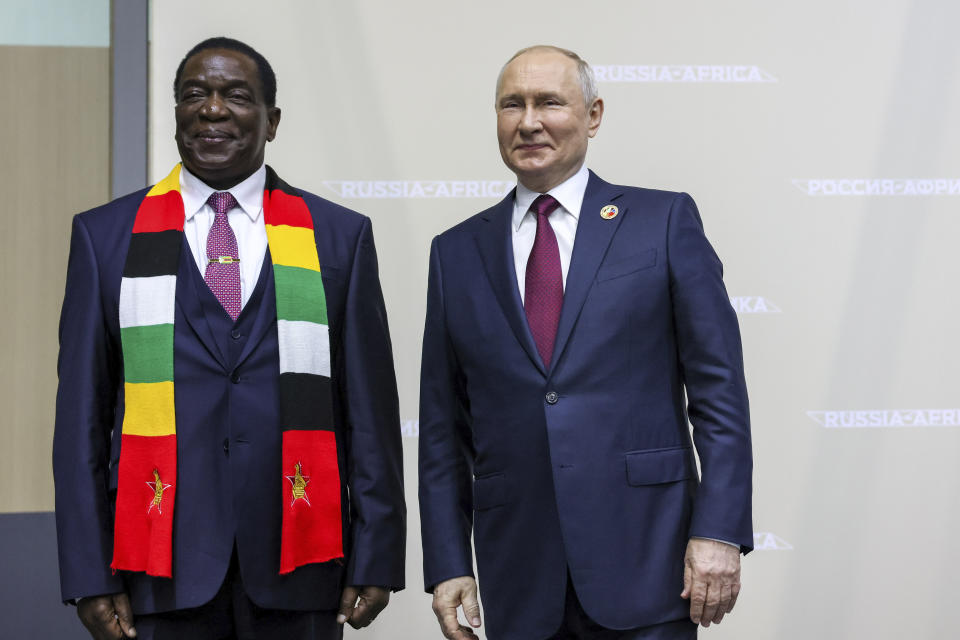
{"x":232,"y":615}
{"x":577,"y":625}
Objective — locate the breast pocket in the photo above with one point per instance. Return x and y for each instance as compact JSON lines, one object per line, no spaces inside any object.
{"x":333,"y":274}
{"x":625,"y":266}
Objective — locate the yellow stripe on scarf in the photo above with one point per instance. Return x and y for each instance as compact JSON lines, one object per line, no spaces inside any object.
{"x":170,"y":183}
{"x":149,"y":409}
{"x":293,"y":246}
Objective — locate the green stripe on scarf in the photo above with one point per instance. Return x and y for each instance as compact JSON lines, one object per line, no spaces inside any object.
{"x":300,"y":294}
{"x":146,"y":353}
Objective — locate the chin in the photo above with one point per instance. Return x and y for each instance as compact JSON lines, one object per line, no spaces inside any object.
{"x":530,"y":168}
{"x":212,"y":164}
{"x":534,"y":172}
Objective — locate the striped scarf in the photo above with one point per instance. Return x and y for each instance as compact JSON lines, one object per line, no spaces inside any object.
{"x":147,"y":481}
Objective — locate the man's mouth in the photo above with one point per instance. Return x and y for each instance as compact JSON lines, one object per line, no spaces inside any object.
{"x":212,"y":137}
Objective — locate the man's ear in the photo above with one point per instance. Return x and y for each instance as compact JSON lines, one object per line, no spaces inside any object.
{"x":273,"y":121}
{"x":595,"y":115}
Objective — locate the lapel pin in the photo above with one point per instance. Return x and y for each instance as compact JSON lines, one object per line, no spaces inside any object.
{"x":609,"y":212}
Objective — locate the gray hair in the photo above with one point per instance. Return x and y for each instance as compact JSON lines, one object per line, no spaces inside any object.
{"x":588,"y":82}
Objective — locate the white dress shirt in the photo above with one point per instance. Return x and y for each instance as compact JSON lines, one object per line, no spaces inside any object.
{"x":245,"y":220}
{"x":563,"y":221}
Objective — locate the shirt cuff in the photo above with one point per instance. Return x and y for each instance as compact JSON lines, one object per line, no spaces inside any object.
{"x":732,"y":544}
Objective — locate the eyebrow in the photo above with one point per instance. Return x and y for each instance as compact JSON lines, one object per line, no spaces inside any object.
{"x":537,"y":97}
{"x":230,"y":84}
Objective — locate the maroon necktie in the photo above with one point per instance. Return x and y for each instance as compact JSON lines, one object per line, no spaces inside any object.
{"x":543,"y":290}
{"x":223,"y":261}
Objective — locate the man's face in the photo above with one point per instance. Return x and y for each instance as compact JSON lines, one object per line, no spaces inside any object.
{"x":542,"y":122}
{"x":223,"y":123}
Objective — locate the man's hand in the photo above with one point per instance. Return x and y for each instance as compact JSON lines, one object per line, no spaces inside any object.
{"x":711,"y":579}
{"x":453,"y":593}
{"x":360,"y":605}
{"x":107,"y":617}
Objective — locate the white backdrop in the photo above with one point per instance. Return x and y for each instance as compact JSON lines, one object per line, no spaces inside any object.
{"x":820,"y":141}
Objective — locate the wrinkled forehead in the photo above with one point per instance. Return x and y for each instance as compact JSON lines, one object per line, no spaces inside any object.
{"x":221,"y":64}
{"x":540,"y":69}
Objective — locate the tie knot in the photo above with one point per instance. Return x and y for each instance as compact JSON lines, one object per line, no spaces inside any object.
{"x":544,"y":205}
{"x":222,"y":201}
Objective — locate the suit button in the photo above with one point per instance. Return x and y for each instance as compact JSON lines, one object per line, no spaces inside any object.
{"x":235,"y":378}
{"x":552,"y":397}
{"x":226,"y":446}
{"x":235,"y":334}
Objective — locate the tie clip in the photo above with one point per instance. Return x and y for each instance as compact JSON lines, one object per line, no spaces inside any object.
{"x":224,"y":260}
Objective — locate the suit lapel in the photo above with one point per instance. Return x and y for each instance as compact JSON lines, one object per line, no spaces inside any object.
{"x":593,"y":237}
{"x":188,"y":299}
{"x":266,"y":308}
{"x":496,"y":250}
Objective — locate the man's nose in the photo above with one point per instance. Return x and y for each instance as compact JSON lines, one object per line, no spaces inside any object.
{"x":213,"y":108}
{"x":530,"y":120}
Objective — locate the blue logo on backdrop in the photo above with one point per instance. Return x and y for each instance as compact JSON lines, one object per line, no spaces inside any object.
{"x":420,"y":188}
{"x":766,"y":541}
{"x":881,"y":418}
{"x":753,"y":304}
{"x":410,"y":428}
{"x":879,"y":186}
{"x":699,"y":73}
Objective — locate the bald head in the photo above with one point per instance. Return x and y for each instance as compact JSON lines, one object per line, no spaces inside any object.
{"x":585,"y":77}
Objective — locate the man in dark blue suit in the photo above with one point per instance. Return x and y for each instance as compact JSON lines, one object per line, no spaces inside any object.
{"x":285,"y":399}
{"x":572,"y":329}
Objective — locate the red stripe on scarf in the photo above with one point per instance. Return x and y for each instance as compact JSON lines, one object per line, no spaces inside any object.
{"x":160,"y":213}
{"x":282,"y":208}
{"x":312,"y":526}
{"x":144,"y":530}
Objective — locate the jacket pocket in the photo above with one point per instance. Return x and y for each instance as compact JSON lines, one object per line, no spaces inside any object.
{"x":626,"y":266}
{"x":489,"y":491}
{"x":658,"y":466}
{"x":332,"y":273}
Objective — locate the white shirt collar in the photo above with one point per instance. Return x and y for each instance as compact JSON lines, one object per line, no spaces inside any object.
{"x":568,"y":193}
{"x":249,"y":193}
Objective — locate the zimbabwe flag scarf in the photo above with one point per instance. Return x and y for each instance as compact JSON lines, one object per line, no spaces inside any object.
{"x":147,"y":481}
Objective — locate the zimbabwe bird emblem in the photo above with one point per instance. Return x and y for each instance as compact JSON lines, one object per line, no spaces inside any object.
{"x":158,"y":488}
{"x":298,"y":484}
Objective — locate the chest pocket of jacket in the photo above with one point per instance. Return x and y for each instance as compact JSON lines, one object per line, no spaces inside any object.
{"x":626,"y":266}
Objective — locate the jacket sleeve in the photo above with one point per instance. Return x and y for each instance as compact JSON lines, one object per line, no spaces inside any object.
{"x":446,"y":501}
{"x":711,"y":361}
{"x":86,"y":403}
{"x":378,"y":510}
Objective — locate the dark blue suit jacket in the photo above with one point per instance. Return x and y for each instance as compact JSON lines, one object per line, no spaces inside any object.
{"x":588,"y":466}
{"x":228,"y":433}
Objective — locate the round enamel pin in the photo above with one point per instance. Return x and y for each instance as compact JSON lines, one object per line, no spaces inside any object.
{"x":609,"y":212}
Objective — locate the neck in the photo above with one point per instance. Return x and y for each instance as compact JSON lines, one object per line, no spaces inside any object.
{"x":218,"y":181}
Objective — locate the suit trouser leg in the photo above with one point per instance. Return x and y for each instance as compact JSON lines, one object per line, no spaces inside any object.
{"x":577,"y":625}
{"x":231,"y":615}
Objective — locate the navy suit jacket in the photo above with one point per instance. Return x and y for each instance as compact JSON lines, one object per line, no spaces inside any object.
{"x":228,"y":434}
{"x":588,"y":466}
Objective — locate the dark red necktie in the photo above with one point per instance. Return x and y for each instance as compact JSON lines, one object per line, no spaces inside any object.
{"x":543,"y":289}
{"x":223,"y":261}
